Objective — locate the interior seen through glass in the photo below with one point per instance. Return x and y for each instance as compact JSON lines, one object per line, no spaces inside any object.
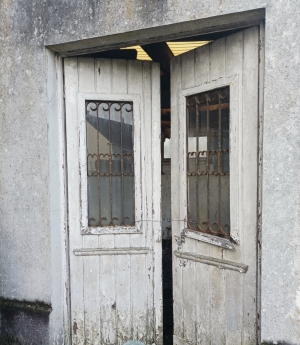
{"x":110,"y":163}
{"x":208,"y":162}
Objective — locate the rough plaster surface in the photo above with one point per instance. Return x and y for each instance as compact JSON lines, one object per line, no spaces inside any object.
{"x":24,"y":210}
{"x":24,"y":218}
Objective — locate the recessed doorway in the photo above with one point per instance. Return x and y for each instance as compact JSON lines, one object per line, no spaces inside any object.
{"x":199,"y":243}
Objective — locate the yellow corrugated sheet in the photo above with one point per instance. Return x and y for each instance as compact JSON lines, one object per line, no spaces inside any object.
{"x":176,"y":47}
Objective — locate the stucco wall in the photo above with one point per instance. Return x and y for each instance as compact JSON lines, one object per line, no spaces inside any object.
{"x":24,"y":209}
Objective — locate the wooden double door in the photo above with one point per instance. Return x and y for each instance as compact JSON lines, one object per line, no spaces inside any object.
{"x":114,"y":196}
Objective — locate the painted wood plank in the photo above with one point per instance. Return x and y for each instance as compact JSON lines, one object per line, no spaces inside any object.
{"x":119,"y":76}
{"x":216,"y":71}
{"x":86,"y":75}
{"x":177,"y":223}
{"x":234,"y":284}
{"x":202,"y":302}
{"x":209,"y":260}
{"x":188,"y":295}
{"x":217,"y":284}
{"x":110,"y":251}
{"x":91,"y":279}
{"x":76,"y":284}
{"x":156,"y":202}
{"x":147,"y":195}
{"x":202,"y":65}
{"x":234,"y":307}
{"x":250,"y":171}
{"x":217,"y":62}
{"x":188,"y":269}
{"x":234,"y":66}
{"x":175,"y":87}
{"x":122,"y":264}
{"x":103,"y":75}
{"x":86,"y":79}
{"x":211,"y":239}
{"x":202,"y":280}
{"x":138,"y":268}
{"x":107,"y":295}
{"x":188,"y":69}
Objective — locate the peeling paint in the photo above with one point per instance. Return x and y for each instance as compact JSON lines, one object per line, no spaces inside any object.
{"x":75,"y":327}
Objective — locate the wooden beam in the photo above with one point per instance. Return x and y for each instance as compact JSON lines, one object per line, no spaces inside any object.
{"x":208,"y":37}
{"x":126,"y":54}
{"x":160,"y":52}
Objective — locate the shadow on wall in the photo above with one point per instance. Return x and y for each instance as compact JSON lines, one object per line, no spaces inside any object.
{"x":24,"y":323}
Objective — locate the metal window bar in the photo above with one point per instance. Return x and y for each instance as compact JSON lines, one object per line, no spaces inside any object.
{"x":208,"y":182}
{"x":125,"y":157}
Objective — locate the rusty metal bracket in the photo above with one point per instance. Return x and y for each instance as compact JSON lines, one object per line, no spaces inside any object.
{"x":179,"y":240}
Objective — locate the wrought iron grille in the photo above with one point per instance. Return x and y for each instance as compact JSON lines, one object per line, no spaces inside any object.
{"x":110,"y":163}
{"x":208,"y":162}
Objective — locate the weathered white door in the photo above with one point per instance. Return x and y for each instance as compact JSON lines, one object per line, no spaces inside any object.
{"x":113,"y":158}
{"x":214,"y":191}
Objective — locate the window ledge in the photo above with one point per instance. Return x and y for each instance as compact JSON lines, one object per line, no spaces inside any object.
{"x":214,"y":240}
{"x":110,"y":230}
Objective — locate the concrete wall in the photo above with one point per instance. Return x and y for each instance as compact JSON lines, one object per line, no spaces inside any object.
{"x":27,"y":26}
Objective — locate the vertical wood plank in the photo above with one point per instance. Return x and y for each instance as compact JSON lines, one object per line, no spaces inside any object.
{"x":177,"y":223}
{"x":250,"y":171}
{"x":138,"y":272}
{"x":234,"y":66}
{"x":188,"y":269}
{"x":202,"y":65}
{"x":119,"y":76}
{"x":91,"y":282}
{"x":188,"y":70}
{"x":156,"y":202}
{"x":202,"y":273}
{"x":107,"y":287}
{"x":147,"y":196}
{"x":217,"y":60}
{"x":217,"y":65}
{"x":75,"y":238}
{"x":87,"y":77}
{"x":234,"y":282}
{"x":122,"y":263}
{"x":217,"y":280}
{"x":234,"y":307}
{"x":103,"y":75}
{"x":86,"y":74}
{"x":107,"y":292}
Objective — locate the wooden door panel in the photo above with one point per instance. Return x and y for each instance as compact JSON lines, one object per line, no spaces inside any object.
{"x":115,"y":274}
{"x":214,"y":287}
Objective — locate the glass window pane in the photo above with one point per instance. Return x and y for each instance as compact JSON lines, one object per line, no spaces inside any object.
{"x":208,"y":162}
{"x":110,"y":163}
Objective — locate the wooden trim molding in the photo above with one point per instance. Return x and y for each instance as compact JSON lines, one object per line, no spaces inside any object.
{"x":214,"y":240}
{"x":220,"y":263}
{"x":110,"y":251}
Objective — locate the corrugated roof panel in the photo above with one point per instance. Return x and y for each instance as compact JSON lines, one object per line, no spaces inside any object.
{"x":176,"y":47}
{"x":141,"y":54}
{"x":183,"y":47}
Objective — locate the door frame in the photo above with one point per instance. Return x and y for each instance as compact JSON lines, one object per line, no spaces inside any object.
{"x":60,"y":317}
